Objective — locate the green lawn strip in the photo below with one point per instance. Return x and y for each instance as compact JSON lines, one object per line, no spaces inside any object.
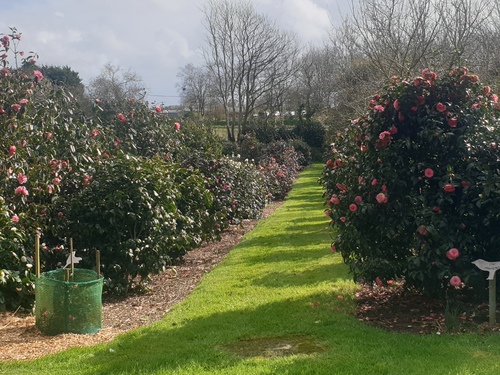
{"x":280,"y":282}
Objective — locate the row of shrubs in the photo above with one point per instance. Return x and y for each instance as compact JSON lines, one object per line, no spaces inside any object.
{"x":123,"y":180}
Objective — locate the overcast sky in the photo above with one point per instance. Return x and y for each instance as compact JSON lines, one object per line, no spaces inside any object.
{"x":153,"y":38}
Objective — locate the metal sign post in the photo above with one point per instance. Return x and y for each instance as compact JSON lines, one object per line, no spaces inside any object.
{"x":492,"y":268}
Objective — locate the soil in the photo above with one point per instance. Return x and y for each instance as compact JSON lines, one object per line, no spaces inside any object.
{"x":394,"y":308}
{"x":386,"y":307}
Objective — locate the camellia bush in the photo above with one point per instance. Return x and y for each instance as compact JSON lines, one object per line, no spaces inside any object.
{"x":44,"y":143}
{"x":141,"y":214}
{"x":413,"y":186}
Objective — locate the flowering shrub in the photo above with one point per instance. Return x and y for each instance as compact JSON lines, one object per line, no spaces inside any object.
{"x":413,"y":186}
{"x":140,"y":213}
{"x":44,"y":144}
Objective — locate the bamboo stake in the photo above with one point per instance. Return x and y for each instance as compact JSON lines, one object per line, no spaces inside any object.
{"x":37,"y":255}
{"x":66,"y":274}
{"x":98,"y":263}
{"x":71,"y":255}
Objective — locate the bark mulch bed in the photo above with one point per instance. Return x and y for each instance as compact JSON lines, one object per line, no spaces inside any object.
{"x":21,"y":340}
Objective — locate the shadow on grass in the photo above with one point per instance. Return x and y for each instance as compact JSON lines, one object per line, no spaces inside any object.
{"x":196,"y":345}
{"x":169,"y":346}
{"x":317,"y":275}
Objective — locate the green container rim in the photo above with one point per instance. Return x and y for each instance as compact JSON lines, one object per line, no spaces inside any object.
{"x":51,"y":276}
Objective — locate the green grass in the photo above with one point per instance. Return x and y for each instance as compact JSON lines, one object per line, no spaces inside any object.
{"x":280,"y":283}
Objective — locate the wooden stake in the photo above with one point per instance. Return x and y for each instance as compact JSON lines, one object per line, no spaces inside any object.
{"x":98,"y":263}
{"x":37,"y":255}
{"x":66,"y":274}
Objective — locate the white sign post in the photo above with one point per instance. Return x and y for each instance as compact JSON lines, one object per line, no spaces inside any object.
{"x":492,"y":268}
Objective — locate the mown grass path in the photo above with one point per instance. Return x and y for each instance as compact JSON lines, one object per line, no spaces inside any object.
{"x":278,"y":288}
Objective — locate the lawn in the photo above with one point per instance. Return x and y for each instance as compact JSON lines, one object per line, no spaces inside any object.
{"x":280,"y":303}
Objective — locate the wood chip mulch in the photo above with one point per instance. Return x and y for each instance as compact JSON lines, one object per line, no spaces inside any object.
{"x":21,"y":340}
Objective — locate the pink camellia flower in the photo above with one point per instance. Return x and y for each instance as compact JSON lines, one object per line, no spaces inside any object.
{"x":121,"y":117}
{"x":358,"y":199}
{"x":353,"y":207}
{"x":486,"y":90}
{"x":494,"y":98}
{"x":452,"y":254}
{"x":379,"y":108}
{"x":393,"y":130}
{"x":94,"y":133}
{"x":23,"y":101}
{"x":436,"y":208}
{"x":177,"y":126}
{"x":452,"y":122}
{"x":48,"y":135}
{"x":22,"y":179}
{"x":342,"y":187}
{"x":15,"y":218}
{"x":86,"y":179}
{"x":449,"y":188}
{"x":343,"y":219}
{"x":384,"y":188}
{"x":158,"y":109}
{"x":21,"y":190}
{"x":440,"y":107}
{"x":429,"y":75}
{"x":56,"y":181}
{"x":379,"y":281}
{"x":429,"y":173}
{"x":12,"y":150}
{"x":396,"y":104}
{"x":401,"y":117}
{"x":455,"y":281}
{"x":423,"y":231}
{"x":381,"y":198}
{"x":334,"y":199}
{"x":465,"y":184}
{"x":16,"y":107}
{"x":374,"y":182}
{"x":38,"y":75}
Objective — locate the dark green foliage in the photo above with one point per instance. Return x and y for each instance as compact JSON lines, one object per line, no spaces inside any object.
{"x":140,"y":214}
{"x":416,"y":177}
{"x":311,"y":132}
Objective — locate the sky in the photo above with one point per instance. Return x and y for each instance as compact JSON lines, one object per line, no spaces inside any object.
{"x":153,"y":38}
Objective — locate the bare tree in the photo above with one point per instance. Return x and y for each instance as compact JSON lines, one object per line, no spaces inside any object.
{"x":383,"y":38}
{"x":195,"y":87}
{"x":114,"y":85}
{"x":248,"y":57}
